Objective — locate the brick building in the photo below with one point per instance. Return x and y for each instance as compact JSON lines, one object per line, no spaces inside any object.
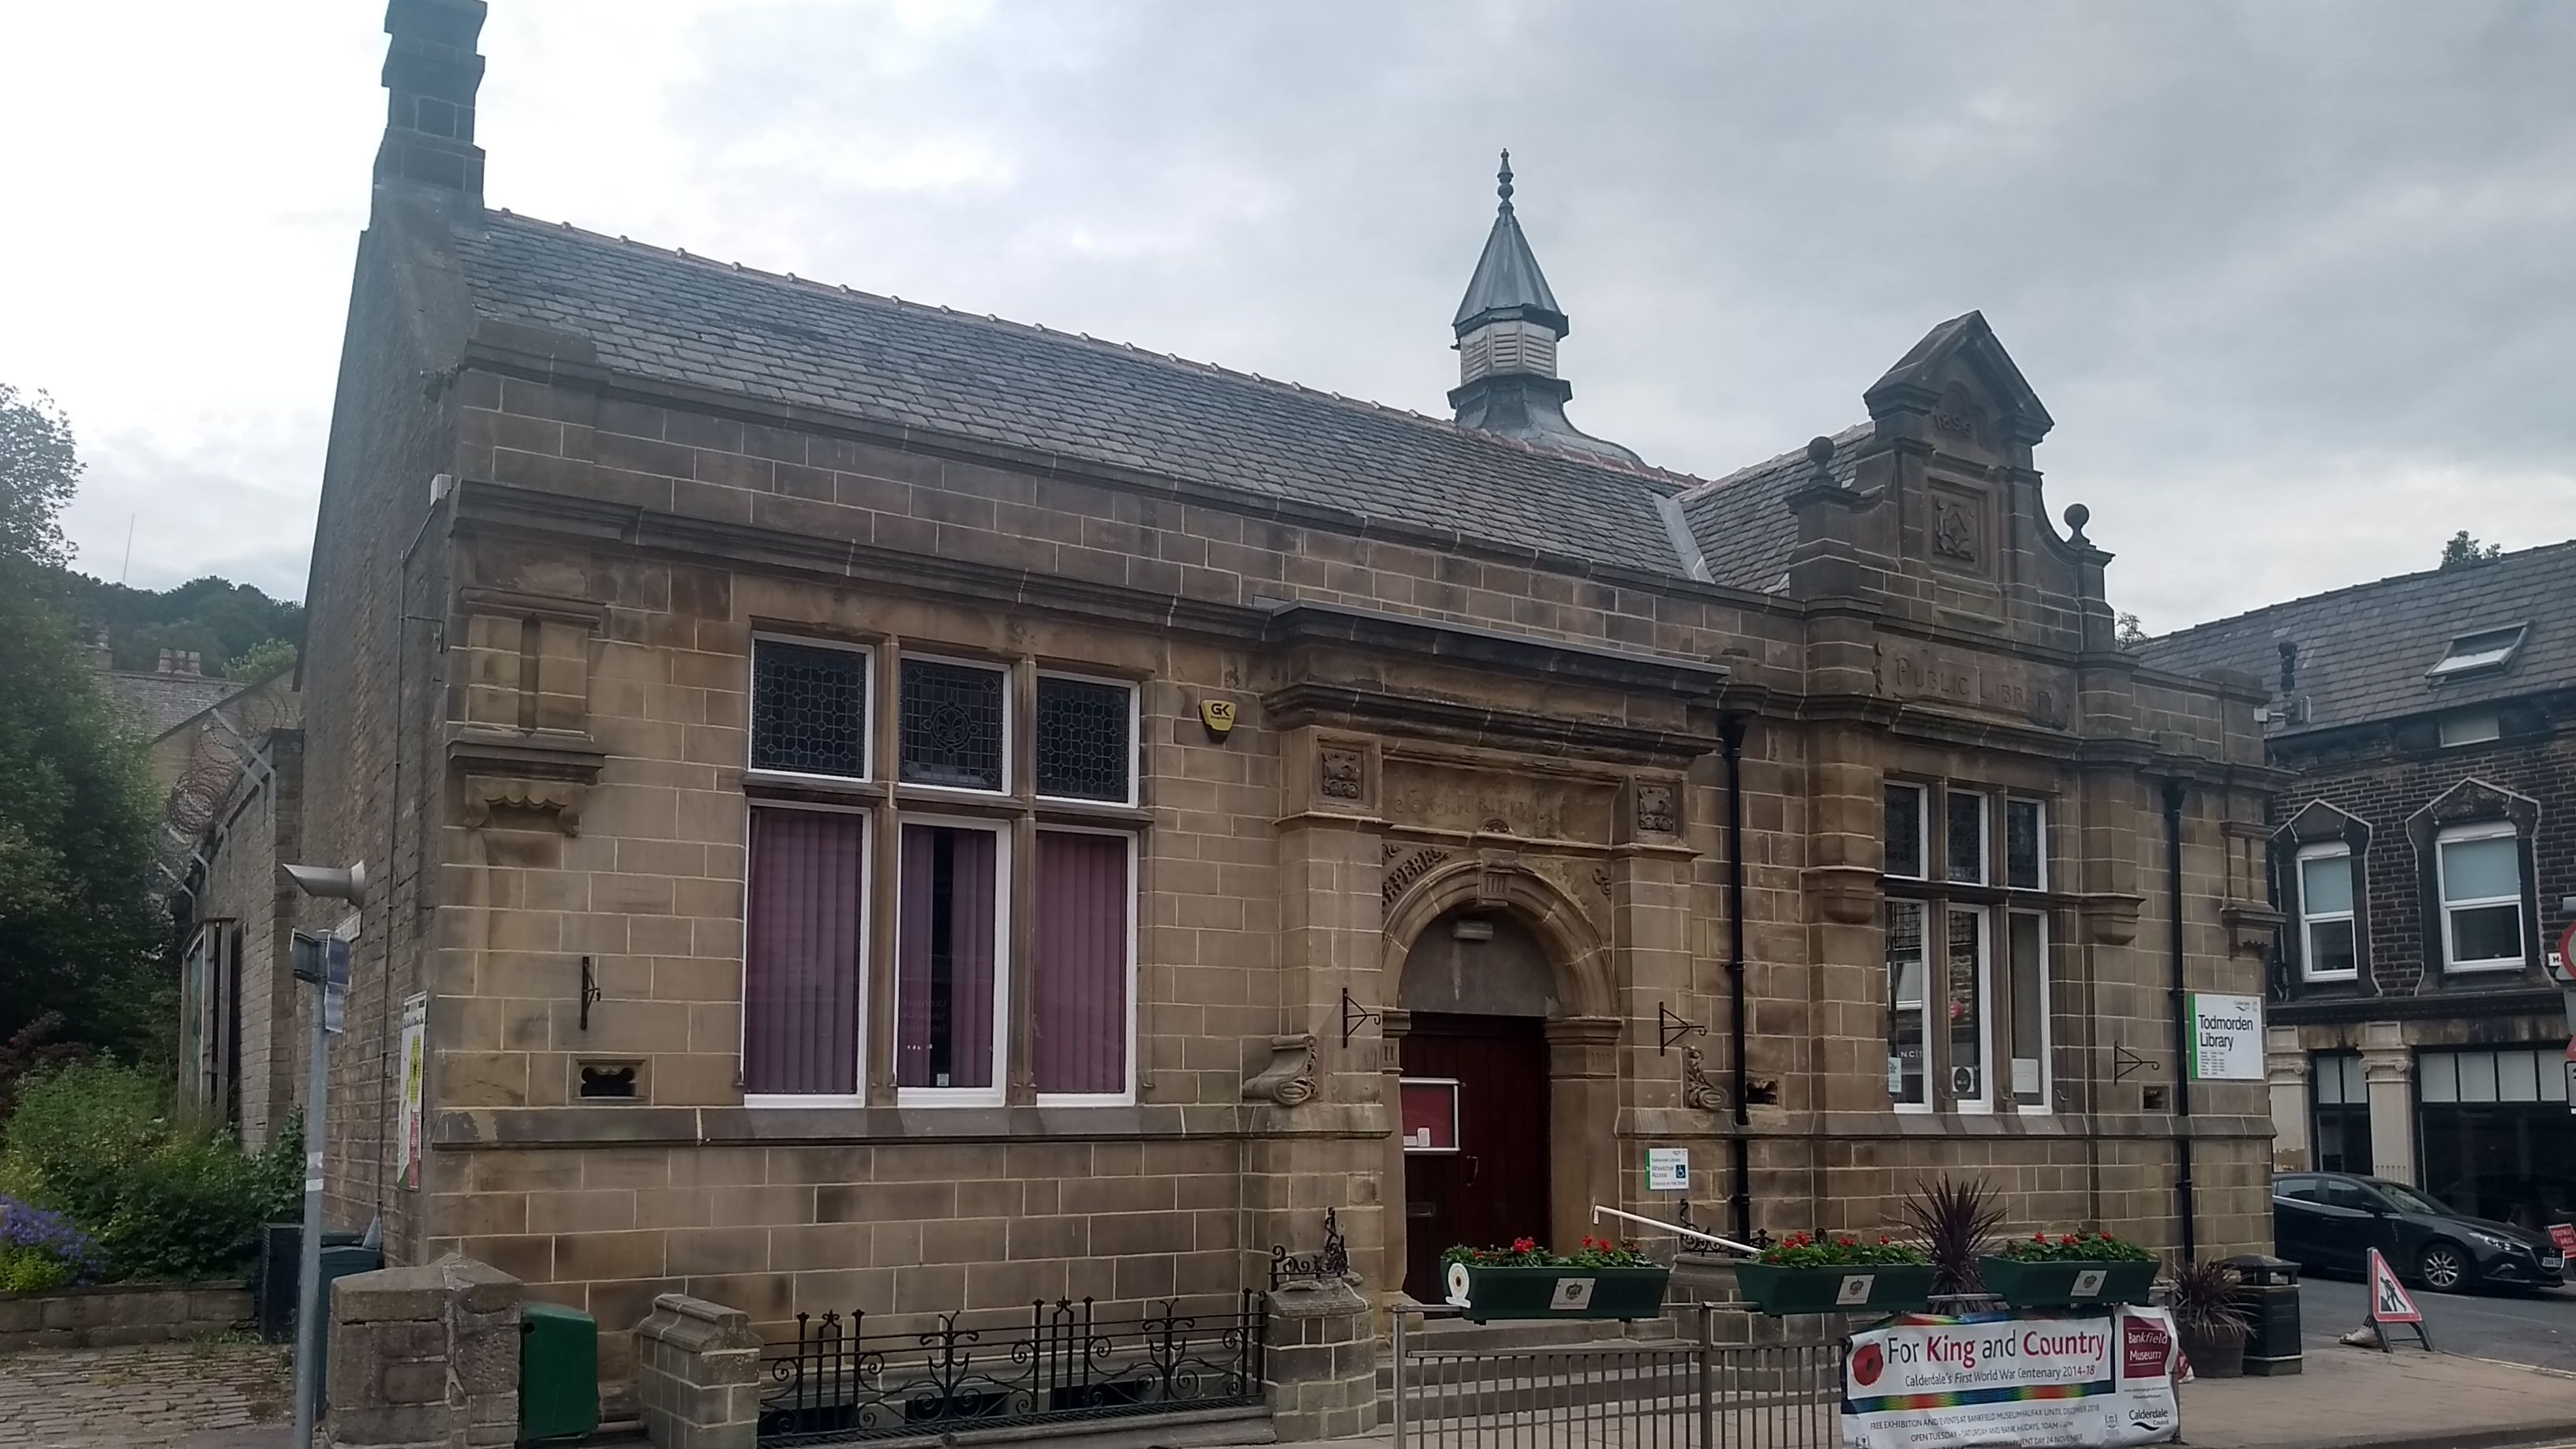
{"x":880,"y":807}
{"x":2424,"y":852}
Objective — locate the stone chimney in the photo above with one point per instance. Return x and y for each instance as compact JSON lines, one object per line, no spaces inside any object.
{"x":182,"y":662}
{"x":431,"y":74}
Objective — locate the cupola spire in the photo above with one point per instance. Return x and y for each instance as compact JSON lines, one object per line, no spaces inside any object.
{"x":1507,"y":327}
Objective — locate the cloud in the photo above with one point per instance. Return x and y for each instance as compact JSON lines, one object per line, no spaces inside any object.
{"x":2291,"y":277}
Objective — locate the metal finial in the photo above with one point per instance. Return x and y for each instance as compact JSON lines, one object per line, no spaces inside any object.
{"x":1504,"y":176}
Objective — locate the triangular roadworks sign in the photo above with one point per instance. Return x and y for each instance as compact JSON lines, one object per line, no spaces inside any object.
{"x":2388,"y":1300}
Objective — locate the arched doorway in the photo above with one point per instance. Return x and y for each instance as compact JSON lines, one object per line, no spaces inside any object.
{"x":1478,"y":990}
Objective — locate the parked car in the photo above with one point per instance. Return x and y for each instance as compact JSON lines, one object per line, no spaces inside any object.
{"x":2331,"y":1220}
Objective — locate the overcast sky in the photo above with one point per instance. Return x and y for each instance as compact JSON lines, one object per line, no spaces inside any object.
{"x":2298,"y":282}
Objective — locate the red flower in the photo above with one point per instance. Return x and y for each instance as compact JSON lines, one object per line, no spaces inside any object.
{"x":1882,"y":1240}
{"x":1524,"y":1245}
{"x":2068,"y":1240}
{"x":2039,"y":1237}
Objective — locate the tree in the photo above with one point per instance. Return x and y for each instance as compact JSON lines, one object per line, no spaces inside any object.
{"x":264,"y":660}
{"x":80,"y":922}
{"x":2132,"y":633}
{"x":38,"y":472}
{"x":2464,"y":552}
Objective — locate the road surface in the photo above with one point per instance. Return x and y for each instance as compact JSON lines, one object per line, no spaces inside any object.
{"x":2533,"y":1328}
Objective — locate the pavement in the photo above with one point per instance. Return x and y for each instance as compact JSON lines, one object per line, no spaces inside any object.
{"x":2534,"y":1328}
{"x":155,"y":1396}
{"x":2348,"y":1398}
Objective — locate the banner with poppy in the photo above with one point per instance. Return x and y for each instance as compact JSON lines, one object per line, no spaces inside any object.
{"x":2012,"y":1379}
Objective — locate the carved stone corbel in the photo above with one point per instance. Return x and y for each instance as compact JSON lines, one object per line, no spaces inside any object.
{"x":1289,"y":1079}
{"x":561,"y":798}
{"x":2111,"y":920}
{"x":2251,"y":927}
{"x":1700,"y":1091}
{"x":1847,"y":894}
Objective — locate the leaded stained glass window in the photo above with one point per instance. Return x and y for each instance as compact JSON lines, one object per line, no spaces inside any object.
{"x":1085,"y":739}
{"x":952,"y":725}
{"x":809,"y":709}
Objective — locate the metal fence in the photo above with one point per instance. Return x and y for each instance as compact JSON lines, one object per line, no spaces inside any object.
{"x":838,"y":1383}
{"x":1613,"y":1394}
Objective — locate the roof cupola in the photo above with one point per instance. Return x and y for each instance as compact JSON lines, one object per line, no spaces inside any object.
{"x":1508,"y":326}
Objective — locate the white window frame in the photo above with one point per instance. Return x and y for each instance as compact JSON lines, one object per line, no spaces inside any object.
{"x":1922,"y":1005}
{"x":2309,"y":919}
{"x":867,"y":722}
{"x":1922,"y":831}
{"x":2040,"y":805}
{"x":2461,"y":729}
{"x":2046,"y":1054}
{"x":857,"y":1095}
{"x":1009,"y":725}
{"x":1985,"y":837}
{"x":2457,"y":660}
{"x":995,"y":1094}
{"x":1983,"y":1104}
{"x":1135,"y":740}
{"x":2457,"y":834}
{"x":1126,"y":1095}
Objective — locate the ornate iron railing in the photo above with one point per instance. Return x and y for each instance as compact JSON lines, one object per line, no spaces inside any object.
{"x":838,"y":1383}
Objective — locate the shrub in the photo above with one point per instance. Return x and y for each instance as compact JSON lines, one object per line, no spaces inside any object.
{"x":97,"y":1143}
{"x":1526,"y":1253}
{"x":2074,"y":1248}
{"x":1806,"y":1250}
{"x":1958,"y":1222}
{"x":41,"y":1250}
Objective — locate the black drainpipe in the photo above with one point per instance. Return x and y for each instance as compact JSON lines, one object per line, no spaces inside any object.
{"x":2183,"y":1199}
{"x":1731,"y":734}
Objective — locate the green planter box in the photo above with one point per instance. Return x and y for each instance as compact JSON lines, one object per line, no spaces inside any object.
{"x":2067,"y":1285}
{"x":1485,"y":1293}
{"x":1876,"y":1287}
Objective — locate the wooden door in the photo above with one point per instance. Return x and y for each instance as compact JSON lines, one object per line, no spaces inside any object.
{"x":1494,"y":1187}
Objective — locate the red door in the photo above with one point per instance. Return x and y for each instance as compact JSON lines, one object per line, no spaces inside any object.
{"x":1494,"y":1187}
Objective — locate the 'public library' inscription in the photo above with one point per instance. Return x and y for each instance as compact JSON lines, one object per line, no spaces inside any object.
{"x":1995,"y":686}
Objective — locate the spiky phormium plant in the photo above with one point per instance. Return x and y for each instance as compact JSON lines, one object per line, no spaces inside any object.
{"x":1958,"y":1220}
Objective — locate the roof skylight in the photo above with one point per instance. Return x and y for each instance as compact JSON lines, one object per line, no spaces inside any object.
{"x":2478,"y":653}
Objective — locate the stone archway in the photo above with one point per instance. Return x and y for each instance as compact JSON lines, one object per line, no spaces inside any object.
{"x":1553,"y":972}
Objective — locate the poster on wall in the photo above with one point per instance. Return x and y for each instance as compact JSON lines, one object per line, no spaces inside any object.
{"x":2024,"y":1379}
{"x":412,"y":1063}
{"x":2226,"y":1038}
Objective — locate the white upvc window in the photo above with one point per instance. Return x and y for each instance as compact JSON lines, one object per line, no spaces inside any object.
{"x":1968,"y":982}
{"x":1964,"y":837}
{"x":2025,"y":844}
{"x":2032,"y":1081}
{"x":952,"y":961}
{"x":1082,"y":967}
{"x":809,"y":708}
{"x":1909,"y":1046}
{"x":953,"y":723}
{"x":1908,"y":843}
{"x":1085,"y":738}
{"x":2480,"y":872}
{"x":2327,"y":921}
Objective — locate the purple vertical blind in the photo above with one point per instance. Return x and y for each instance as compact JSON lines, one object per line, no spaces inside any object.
{"x":1080,"y":980}
{"x":944,"y":948}
{"x":801,"y":953}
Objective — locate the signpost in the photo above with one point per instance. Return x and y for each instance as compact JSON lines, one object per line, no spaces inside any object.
{"x":1667,"y":1169}
{"x":2390,"y":1304}
{"x":2226,"y":1038}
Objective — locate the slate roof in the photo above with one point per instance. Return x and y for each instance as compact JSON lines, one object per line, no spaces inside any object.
{"x":664,"y":315}
{"x":2364,"y":650}
{"x":163,"y":702}
{"x":1745,"y":530}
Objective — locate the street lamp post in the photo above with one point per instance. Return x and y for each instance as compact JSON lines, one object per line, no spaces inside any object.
{"x":325,"y":962}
